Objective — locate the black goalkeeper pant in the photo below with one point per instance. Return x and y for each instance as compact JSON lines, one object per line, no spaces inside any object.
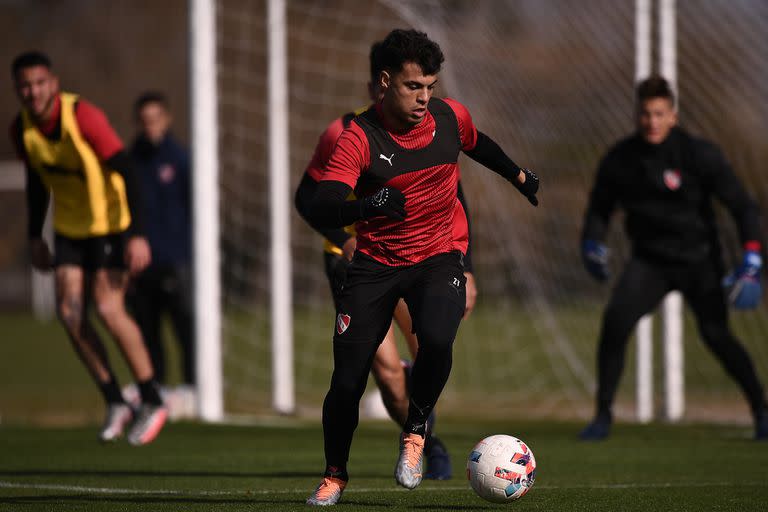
{"x":639,"y":290}
{"x":434,"y":291}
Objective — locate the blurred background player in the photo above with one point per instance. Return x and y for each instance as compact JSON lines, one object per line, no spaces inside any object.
{"x":165,"y":286}
{"x":401,"y":159}
{"x":665,"y":180}
{"x":389,"y":371}
{"x":71,"y":151}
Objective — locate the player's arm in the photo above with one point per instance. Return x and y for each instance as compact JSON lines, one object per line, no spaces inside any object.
{"x":37,"y":208}
{"x":602,"y":202}
{"x":471,"y":287}
{"x":463,"y":200}
{"x":731,"y":192}
{"x":123,"y":164}
{"x":38,"y":196}
{"x":743,"y":284}
{"x":330,"y":208}
{"x":37,"y":204}
{"x":487,"y":153}
{"x":305,"y":194}
{"x":307,"y":188}
{"x":483,"y":150}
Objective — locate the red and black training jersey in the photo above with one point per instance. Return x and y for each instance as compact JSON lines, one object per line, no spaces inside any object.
{"x":423,"y":164}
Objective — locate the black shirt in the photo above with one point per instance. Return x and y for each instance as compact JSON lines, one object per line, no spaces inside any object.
{"x":666,"y":191}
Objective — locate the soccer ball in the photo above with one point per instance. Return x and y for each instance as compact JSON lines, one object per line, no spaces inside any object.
{"x":501,"y":468}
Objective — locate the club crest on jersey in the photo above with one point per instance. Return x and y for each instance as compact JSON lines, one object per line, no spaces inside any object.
{"x":342,"y":323}
{"x":672,"y":179}
{"x":166,"y":173}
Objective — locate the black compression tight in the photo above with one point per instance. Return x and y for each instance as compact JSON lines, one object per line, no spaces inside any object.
{"x":639,"y":290}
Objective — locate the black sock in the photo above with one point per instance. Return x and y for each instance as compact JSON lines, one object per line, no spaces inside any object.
{"x":150,"y":392}
{"x":339,"y":472}
{"x":111,"y":392}
{"x":411,"y":427}
{"x":417,"y":419}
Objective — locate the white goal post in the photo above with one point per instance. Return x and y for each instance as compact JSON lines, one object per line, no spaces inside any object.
{"x":672,"y":308}
{"x":205,"y":197}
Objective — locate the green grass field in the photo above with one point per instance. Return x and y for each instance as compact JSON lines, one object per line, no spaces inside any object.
{"x":50,"y":459}
{"x":194,"y":467}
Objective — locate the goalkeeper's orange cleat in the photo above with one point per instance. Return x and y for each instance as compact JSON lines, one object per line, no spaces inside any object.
{"x":328,"y":492}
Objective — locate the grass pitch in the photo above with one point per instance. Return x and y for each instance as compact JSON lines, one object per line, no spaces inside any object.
{"x":274,"y":467}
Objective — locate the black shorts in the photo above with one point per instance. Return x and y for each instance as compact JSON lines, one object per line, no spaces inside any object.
{"x":90,"y":253}
{"x":433,"y":289}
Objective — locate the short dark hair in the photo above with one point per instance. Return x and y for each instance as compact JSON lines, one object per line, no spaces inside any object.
{"x":148,"y":97}
{"x":654,"y":86}
{"x":401,"y":46}
{"x":374,"y":59}
{"x":29,"y":60}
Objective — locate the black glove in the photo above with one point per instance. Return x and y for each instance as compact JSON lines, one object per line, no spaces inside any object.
{"x":530,"y":187}
{"x":387,"y":202}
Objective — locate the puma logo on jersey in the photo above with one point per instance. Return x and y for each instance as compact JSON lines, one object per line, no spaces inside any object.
{"x":389,"y":160}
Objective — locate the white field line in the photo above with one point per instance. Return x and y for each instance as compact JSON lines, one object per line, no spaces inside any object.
{"x":440,"y":488}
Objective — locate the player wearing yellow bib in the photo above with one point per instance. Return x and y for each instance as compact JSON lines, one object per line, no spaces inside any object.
{"x":72,"y":153}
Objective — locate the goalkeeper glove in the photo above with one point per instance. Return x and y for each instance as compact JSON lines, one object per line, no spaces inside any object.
{"x":595,"y":258}
{"x":387,"y":202}
{"x":530,"y":187}
{"x":743,"y":285}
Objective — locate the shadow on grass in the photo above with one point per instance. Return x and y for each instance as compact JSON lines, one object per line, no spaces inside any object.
{"x":245,"y":499}
{"x":85,"y":498}
{"x":184,"y":474}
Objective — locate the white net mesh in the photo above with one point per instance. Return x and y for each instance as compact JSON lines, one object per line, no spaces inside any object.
{"x":550,"y":81}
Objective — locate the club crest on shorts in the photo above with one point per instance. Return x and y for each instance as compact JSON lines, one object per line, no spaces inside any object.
{"x":672,"y":179}
{"x":342,"y":323}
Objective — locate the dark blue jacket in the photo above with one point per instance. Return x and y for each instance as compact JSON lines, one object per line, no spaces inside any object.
{"x":165,"y":186}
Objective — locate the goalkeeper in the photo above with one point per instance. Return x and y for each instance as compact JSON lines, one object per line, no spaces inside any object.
{"x":664,"y":179}
{"x":390,"y":373}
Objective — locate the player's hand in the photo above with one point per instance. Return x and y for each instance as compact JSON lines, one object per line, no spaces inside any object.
{"x":595,"y":257}
{"x":138,"y":256}
{"x":471,"y":287}
{"x":528,"y":184}
{"x":348,"y":249}
{"x":40,"y":255}
{"x":743,"y":285}
{"x":387,"y":202}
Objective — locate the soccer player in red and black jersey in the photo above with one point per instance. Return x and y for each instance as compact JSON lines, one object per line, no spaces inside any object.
{"x":400,"y":158}
{"x":72,"y":152}
{"x":389,"y":371}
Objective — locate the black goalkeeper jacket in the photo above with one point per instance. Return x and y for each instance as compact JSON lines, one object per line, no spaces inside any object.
{"x":666,"y":192}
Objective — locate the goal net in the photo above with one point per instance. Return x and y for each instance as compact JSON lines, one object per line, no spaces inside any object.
{"x":552,"y":83}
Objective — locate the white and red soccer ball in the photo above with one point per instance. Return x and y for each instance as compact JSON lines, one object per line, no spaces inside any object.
{"x":501,"y":468}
